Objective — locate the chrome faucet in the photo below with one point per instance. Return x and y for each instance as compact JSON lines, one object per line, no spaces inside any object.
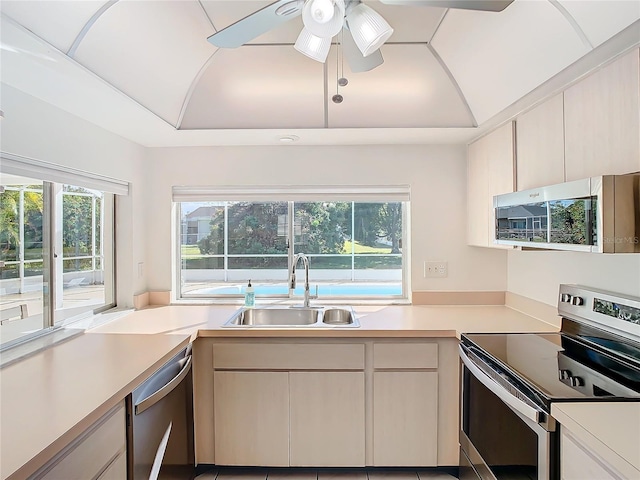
{"x":292,"y":276}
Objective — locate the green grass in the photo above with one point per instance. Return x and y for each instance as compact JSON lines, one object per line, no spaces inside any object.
{"x":365,"y":248}
{"x":190,"y":250}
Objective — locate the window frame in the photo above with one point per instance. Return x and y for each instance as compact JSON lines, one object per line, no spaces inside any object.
{"x":292,"y":195}
{"x":54,"y":178}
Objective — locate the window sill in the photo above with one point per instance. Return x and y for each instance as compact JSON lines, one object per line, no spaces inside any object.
{"x":56,"y":335}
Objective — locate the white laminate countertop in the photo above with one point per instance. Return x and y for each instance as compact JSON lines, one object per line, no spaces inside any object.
{"x":49,"y":398}
{"x":610,"y":429}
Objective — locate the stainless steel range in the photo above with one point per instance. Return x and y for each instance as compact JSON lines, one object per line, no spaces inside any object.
{"x":509,"y":382}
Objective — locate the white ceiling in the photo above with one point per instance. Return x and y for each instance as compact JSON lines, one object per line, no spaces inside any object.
{"x":144,"y":69}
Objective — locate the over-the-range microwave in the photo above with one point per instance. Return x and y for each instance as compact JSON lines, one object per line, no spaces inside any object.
{"x":597,"y":214}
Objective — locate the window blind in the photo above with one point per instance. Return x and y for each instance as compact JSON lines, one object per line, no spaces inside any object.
{"x":344,"y":193}
{"x":11,"y":164}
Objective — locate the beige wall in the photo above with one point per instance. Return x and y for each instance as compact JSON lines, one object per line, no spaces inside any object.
{"x":537,"y":274}
{"x":38,"y":130}
{"x":437,"y":175}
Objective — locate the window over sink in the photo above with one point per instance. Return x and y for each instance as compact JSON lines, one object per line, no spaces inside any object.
{"x":354,"y":237}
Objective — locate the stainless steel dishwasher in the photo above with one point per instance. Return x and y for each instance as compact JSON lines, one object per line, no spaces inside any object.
{"x":160,"y":423}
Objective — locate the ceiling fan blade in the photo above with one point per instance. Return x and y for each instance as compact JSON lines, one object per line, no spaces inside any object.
{"x":357,"y":62}
{"x":485,"y":5}
{"x":245,"y":30}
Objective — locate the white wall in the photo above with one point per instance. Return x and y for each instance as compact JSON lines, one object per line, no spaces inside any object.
{"x":537,"y":274}
{"x":38,"y":130}
{"x":437,"y":175}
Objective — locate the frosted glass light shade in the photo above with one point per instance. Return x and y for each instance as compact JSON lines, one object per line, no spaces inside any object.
{"x":326,"y":29}
{"x":368,"y":28}
{"x":322,"y":11}
{"x":316,"y":48}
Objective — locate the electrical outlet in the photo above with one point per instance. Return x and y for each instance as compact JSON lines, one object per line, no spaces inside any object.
{"x":435,"y":269}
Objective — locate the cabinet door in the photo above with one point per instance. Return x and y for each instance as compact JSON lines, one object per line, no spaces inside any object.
{"x":477,"y":196}
{"x":490,"y":172}
{"x":92,"y":452}
{"x":327,"y":419}
{"x":251,"y":418}
{"x":578,"y":463}
{"x":540,"y":145}
{"x":405,"y":419}
{"x":117,"y":470}
{"x":602,"y":126}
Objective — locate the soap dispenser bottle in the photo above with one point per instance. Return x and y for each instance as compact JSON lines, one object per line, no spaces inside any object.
{"x":249,"y":296}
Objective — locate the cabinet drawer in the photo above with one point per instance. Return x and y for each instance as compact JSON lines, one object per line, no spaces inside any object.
{"x":405,"y":355}
{"x":287,"y":356}
{"x":92,"y":452}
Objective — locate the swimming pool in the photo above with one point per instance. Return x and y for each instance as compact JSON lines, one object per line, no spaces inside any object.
{"x":325,"y":290}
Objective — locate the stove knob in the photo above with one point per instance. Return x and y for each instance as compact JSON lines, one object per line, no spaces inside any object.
{"x":577,"y":301}
{"x":565,"y":298}
{"x":576,"y":382}
{"x":564,"y":374}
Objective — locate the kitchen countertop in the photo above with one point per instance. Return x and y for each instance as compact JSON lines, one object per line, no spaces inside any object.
{"x":49,"y":398}
{"x":610,"y":429}
{"x":376,"y":321}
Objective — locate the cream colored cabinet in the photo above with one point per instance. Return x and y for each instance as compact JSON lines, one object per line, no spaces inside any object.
{"x":98,"y":453}
{"x":326,"y":402}
{"x":602,"y":125}
{"x":540,"y":145}
{"x":490,"y":171}
{"x":405,"y":404}
{"x":578,"y":462}
{"x":327,"y":419}
{"x":272,"y":408}
{"x":251,"y":413}
{"x":405,"y":418}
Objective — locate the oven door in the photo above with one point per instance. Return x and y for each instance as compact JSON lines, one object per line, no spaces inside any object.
{"x":502,"y":436}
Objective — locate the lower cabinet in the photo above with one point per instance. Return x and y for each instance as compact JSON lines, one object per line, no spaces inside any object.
{"x":405,"y":418}
{"x":327,"y":403}
{"x":99,"y":453}
{"x":327,"y":419}
{"x":251,"y":415}
{"x":578,"y":462}
{"x":297,"y":417}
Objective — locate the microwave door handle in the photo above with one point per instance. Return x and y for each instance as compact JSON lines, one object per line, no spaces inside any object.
{"x":513,"y":402}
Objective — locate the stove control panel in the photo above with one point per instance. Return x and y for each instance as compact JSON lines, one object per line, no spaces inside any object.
{"x":601,"y":308}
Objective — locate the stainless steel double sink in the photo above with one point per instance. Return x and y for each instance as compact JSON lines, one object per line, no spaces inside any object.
{"x":292,"y":316}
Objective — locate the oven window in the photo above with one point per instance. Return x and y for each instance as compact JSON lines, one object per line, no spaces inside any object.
{"x":505,"y":442}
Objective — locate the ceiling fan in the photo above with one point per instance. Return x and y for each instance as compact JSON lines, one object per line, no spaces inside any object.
{"x":363,"y":30}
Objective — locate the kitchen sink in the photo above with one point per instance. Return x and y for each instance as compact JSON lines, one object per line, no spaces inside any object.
{"x":307,"y":317}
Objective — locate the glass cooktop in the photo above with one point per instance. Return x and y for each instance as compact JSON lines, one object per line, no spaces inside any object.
{"x":581,"y":365}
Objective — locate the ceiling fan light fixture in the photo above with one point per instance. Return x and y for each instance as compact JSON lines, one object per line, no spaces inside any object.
{"x":314,"y":47}
{"x":321,"y":10}
{"x":368,"y":28}
{"x":319,"y":22}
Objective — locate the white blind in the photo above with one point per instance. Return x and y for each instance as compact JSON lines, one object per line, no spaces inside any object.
{"x":344,"y":193}
{"x":12,"y":164}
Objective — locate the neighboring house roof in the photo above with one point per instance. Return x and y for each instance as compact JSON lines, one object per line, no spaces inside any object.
{"x":202,"y":212}
{"x":523,"y":211}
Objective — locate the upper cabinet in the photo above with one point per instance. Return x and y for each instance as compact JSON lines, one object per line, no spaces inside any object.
{"x":490,"y":171}
{"x":540,"y":145}
{"x":602,"y":124}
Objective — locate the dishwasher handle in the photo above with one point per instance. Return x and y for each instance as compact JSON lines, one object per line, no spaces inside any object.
{"x":165,"y":390}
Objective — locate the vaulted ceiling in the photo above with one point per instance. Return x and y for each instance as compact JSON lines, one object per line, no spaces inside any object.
{"x":444,"y":69}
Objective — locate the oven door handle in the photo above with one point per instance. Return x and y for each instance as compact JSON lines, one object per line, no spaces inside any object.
{"x":514,"y":403}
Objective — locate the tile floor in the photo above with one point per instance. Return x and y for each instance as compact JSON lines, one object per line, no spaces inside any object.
{"x":324,"y":474}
